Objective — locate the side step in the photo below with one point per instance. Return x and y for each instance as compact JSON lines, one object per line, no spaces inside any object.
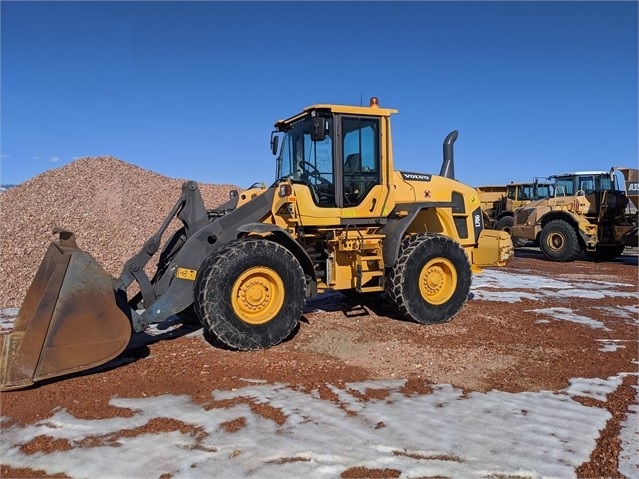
{"x":362,"y":268}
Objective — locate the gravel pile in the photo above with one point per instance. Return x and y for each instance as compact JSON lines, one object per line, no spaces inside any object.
{"x":113,"y":207}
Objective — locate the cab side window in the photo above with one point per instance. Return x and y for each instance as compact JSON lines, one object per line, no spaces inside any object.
{"x":360,"y":147}
{"x":564,"y":187}
{"x":586,"y":184}
{"x":526,"y":193}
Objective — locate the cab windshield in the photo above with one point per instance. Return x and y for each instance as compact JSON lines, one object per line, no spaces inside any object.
{"x":542,"y":191}
{"x":582,"y":184}
{"x":306,"y":161}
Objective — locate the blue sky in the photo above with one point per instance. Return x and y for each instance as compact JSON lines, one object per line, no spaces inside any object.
{"x":192,"y":89}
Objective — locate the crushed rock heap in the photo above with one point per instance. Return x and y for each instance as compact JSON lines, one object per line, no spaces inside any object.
{"x":112,"y":206}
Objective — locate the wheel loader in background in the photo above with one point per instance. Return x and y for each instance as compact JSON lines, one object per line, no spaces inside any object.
{"x":499,"y":203}
{"x":589,"y":213}
{"x":339,"y":217}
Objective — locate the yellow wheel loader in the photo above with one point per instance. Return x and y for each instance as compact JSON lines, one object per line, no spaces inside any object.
{"x":338,"y":217}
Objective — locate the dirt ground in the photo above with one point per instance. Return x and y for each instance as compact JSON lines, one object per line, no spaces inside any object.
{"x":488,"y":345}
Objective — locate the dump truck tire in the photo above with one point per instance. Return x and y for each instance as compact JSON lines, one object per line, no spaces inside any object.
{"x":505,"y":224}
{"x":250,"y":294}
{"x":431,"y":279}
{"x":558,"y":241}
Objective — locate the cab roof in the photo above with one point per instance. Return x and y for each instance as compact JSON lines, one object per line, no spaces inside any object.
{"x":372,"y":110}
{"x":578,"y":173}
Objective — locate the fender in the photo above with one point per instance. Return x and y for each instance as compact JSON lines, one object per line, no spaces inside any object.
{"x":174,"y":291}
{"x":396,"y":227}
{"x":568,"y":218}
{"x":283,"y":237}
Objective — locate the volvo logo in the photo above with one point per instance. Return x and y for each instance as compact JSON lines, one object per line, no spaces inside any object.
{"x":415,"y":176}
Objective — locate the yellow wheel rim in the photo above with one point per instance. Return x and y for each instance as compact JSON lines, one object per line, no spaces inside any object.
{"x":257,"y":295}
{"x":437,"y":281}
{"x":555,"y":241}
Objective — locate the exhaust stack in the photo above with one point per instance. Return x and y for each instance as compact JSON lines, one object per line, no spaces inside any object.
{"x":448,"y":165}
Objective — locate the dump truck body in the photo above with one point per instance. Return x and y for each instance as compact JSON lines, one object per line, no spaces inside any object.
{"x":338,"y":217}
{"x":490,"y":197}
{"x":631,"y":185}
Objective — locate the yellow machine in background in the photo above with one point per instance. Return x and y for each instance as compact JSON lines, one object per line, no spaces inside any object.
{"x":589,"y":213}
{"x":499,"y":202}
{"x":339,"y":217}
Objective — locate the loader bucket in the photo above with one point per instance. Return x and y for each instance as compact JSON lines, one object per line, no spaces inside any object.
{"x":69,"y":321}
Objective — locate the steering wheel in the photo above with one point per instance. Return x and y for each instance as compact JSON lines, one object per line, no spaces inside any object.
{"x":312,"y":172}
{"x":323,"y":192}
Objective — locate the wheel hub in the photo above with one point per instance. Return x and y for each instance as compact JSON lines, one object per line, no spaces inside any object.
{"x":555,"y":241}
{"x":258,"y":295}
{"x":434,"y":280}
{"x":438,"y":280}
{"x":255,"y":294}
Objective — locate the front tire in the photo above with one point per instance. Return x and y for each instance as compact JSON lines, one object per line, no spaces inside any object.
{"x":431,"y":279}
{"x":558,"y":241}
{"x":250,"y":293}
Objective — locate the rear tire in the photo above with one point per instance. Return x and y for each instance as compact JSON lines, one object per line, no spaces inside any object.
{"x":506,"y":224}
{"x":559,"y":242}
{"x":431,"y":279}
{"x":250,"y":294}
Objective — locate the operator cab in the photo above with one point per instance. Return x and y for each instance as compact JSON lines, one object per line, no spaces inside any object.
{"x":584,"y":183}
{"x":334,"y":151}
{"x":600,"y":189}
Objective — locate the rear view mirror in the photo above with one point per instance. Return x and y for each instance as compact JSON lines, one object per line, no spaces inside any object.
{"x":318,"y":128}
{"x":274,"y":143}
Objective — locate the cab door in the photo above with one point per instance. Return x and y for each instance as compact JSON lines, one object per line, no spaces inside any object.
{"x":359,"y":166}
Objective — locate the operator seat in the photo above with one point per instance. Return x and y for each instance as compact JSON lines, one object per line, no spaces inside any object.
{"x":352,"y":188}
{"x":353,"y":163}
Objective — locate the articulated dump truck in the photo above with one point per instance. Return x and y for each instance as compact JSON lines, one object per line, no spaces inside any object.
{"x":338,"y":217}
{"x":590,"y":212}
